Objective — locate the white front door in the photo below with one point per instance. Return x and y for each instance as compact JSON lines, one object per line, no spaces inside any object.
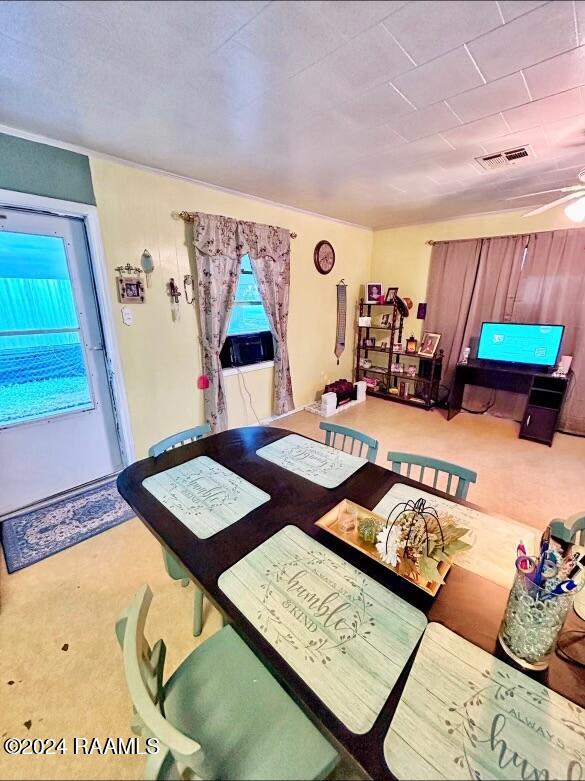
{"x":57,"y":423}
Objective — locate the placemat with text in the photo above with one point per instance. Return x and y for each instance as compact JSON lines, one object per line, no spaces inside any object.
{"x":344,"y":634}
{"x":204,"y":495}
{"x":464,"y":714}
{"x":312,"y":460}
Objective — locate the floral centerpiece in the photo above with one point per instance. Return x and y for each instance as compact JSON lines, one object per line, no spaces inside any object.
{"x":415,"y":539}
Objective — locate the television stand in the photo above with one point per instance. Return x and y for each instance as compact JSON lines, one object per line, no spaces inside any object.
{"x":545,"y":394}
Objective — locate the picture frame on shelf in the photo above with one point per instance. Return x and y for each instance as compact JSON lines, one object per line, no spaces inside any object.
{"x":364,"y":321}
{"x":411,"y":371}
{"x":429,"y":344}
{"x":396,"y":367}
{"x":398,"y":347}
{"x":369,"y":342}
{"x":391,"y":294}
{"x":385,"y":320}
{"x":374,"y":291}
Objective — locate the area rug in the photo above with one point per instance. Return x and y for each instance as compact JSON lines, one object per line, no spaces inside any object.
{"x":37,"y":534}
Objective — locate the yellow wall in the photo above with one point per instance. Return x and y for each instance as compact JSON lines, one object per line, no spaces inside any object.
{"x":401,"y":256}
{"x":161,"y":358}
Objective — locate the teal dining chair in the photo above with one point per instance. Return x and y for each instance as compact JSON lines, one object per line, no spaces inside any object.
{"x":332,"y":430}
{"x":570,"y":530}
{"x":221,"y":714}
{"x":463,"y":476}
{"x":175,"y":570}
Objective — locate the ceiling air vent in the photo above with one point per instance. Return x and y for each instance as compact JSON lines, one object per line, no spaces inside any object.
{"x":504,"y":159}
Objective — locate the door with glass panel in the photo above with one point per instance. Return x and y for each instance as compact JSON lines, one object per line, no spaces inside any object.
{"x":57,"y":423}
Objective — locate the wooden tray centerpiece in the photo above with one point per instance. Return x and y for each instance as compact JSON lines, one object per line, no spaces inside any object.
{"x":414,"y":541}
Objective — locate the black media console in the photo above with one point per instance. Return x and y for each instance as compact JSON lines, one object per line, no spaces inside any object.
{"x":545,"y":394}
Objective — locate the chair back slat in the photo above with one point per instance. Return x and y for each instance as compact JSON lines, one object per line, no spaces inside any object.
{"x":570,"y":530}
{"x":464,"y":476}
{"x":332,"y":430}
{"x":179,"y":439}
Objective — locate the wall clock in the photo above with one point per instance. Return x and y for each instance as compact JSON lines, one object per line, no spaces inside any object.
{"x":324,"y":257}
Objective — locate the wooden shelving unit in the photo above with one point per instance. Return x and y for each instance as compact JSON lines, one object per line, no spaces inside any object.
{"x":422,"y":389}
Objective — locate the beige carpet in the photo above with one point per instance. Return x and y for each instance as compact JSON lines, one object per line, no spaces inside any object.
{"x":60,"y":666}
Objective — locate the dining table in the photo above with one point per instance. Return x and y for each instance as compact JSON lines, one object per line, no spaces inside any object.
{"x":469,"y":604}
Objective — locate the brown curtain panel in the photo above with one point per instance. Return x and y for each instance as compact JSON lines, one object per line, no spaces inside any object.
{"x":454,"y":265}
{"x":499,"y":269}
{"x":552,"y":290}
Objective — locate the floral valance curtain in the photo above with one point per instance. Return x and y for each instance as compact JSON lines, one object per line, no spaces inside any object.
{"x":220,"y":242}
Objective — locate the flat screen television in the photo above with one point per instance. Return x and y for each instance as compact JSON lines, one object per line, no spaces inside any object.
{"x":532,"y":344}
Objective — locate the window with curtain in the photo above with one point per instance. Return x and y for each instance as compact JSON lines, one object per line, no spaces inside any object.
{"x":248,"y":315}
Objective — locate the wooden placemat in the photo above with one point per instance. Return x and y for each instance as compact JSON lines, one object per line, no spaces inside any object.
{"x":494,"y":540}
{"x":465,"y":714}
{"x":204,"y":495}
{"x":345,"y":635}
{"x":312,"y":460}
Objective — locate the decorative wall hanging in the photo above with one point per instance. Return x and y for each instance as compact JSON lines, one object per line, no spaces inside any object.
{"x":147,"y":264}
{"x":129,"y":285}
{"x":324,"y":257}
{"x":421,"y":311}
{"x":174,"y":294}
{"x":189,"y":286}
{"x":341,"y":319}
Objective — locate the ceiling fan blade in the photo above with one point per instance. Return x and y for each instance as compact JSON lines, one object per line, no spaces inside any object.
{"x":552,"y":204}
{"x":572,"y":188}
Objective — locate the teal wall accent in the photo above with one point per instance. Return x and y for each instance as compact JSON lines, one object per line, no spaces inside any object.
{"x":40,"y":169}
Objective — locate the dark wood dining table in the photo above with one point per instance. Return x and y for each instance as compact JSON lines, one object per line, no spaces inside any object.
{"x":469,"y":605}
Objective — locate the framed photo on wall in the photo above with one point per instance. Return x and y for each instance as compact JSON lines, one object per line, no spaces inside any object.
{"x":374,"y":290}
{"x":429,"y":344}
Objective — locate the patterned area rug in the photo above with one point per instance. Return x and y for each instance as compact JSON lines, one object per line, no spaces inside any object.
{"x":37,"y":534}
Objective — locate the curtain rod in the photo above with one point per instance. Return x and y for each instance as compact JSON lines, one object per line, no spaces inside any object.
{"x":188,"y":217}
{"x":432,"y":242}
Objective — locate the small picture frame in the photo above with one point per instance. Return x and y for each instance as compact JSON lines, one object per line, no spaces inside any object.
{"x":130,"y":290}
{"x":398,"y":347}
{"x":429,"y":344}
{"x":391,"y":294}
{"x":411,"y":371}
{"x":396,"y":368}
{"x":374,"y":291}
{"x":385,"y":320}
{"x":369,"y":342}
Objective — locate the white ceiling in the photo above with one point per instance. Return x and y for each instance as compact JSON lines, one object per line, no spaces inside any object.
{"x":367,"y":111}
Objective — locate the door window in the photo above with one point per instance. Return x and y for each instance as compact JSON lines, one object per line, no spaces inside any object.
{"x":42,"y":360}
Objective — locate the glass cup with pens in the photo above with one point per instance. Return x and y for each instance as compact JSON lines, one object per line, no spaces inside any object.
{"x":541,"y":596}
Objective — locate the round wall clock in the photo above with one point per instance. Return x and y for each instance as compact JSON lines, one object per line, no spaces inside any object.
{"x":324,"y":257}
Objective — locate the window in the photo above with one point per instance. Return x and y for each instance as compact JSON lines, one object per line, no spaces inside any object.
{"x":249,"y":339}
{"x":248,"y":315}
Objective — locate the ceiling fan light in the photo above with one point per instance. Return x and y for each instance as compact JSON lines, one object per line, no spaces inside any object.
{"x":575,"y":211}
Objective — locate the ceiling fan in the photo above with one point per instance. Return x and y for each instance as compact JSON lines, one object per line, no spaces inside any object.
{"x":574,"y":211}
